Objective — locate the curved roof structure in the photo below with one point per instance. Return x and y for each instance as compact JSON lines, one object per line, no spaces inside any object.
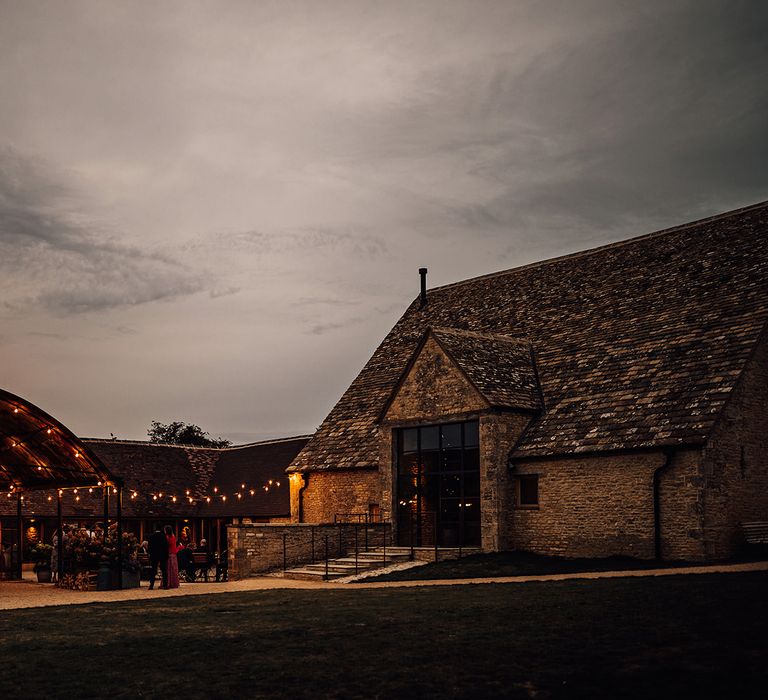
{"x":38,"y":452}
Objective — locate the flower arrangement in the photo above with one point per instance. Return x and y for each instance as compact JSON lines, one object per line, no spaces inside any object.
{"x":41,"y":555}
{"x":89,"y":550}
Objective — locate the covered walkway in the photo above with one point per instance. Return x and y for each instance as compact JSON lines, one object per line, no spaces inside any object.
{"x":38,"y":453}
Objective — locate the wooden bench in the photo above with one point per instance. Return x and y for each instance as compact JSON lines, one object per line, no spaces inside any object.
{"x":755,"y":532}
{"x":145,"y":567}
{"x":199,"y":564}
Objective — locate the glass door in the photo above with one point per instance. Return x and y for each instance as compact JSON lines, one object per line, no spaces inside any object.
{"x":438,"y":485}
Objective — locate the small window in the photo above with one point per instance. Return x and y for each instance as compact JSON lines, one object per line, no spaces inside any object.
{"x":528,"y":490}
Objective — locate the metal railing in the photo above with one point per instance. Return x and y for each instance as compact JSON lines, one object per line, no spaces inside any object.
{"x":349,"y":538}
{"x":345,"y":540}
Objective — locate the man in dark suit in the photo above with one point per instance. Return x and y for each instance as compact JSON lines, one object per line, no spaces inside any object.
{"x":158,"y":554}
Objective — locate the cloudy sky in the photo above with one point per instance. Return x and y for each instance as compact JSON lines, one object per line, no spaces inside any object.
{"x":214,"y":211}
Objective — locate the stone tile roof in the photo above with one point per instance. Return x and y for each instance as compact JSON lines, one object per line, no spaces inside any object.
{"x":638,"y":344}
{"x":151,"y":469}
{"x":500,"y":367}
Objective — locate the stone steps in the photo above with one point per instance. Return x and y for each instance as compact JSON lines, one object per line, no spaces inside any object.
{"x":339,"y":567}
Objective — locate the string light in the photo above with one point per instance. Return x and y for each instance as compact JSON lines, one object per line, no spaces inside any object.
{"x":271,"y":483}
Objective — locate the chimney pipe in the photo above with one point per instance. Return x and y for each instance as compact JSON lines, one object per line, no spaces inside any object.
{"x":423,"y":274}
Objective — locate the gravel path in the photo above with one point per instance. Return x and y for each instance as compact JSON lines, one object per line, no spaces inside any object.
{"x":29,"y":594}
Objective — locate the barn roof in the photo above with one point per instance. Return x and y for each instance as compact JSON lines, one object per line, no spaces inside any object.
{"x":637,"y":344}
{"x":166,"y":471}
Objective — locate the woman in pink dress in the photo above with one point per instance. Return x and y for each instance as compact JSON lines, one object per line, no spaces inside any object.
{"x":173,"y":563}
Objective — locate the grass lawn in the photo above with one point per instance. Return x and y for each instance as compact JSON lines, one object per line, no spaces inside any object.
{"x":519,"y":564}
{"x":680,"y":636}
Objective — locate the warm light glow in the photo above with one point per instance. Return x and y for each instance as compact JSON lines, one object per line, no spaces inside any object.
{"x":90,"y":490}
{"x":187,"y":492}
{"x":223,"y":498}
{"x":278,"y":483}
{"x":49,"y":498}
{"x":159,"y":495}
{"x":252,"y":492}
{"x":98,"y":483}
{"x":207,"y":499}
{"x":270,"y":482}
{"x":154,"y":498}
{"x":215,"y":489}
{"x":174,"y":499}
{"x":242,"y":486}
{"x":239,"y":496}
{"x":75,"y":491}
{"x":15,"y":410}
{"x":77,"y":498}
{"x":48,"y":431}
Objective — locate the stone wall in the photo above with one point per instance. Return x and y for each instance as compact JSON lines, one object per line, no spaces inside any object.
{"x":681,"y":495}
{"x":736,"y":461}
{"x":498,"y":434}
{"x":329,"y":493}
{"x":602,"y":505}
{"x":433,"y":389}
{"x":255,"y":548}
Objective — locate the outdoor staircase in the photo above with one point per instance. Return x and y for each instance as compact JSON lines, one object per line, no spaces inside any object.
{"x":339,"y":567}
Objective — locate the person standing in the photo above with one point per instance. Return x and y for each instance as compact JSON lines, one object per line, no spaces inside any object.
{"x":173,"y":563}
{"x":55,"y":558}
{"x":158,"y":556}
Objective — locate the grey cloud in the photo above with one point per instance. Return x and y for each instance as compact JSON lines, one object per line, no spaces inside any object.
{"x":223,"y":292}
{"x":48,"y":336}
{"x":323,"y":328}
{"x":322,"y":301}
{"x":358,"y":243}
{"x":68,"y":263}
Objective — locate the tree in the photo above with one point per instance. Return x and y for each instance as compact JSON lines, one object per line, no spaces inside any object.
{"x":180,"y":433}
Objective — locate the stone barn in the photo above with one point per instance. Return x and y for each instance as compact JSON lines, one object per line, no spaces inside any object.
{"x":612,"y":401}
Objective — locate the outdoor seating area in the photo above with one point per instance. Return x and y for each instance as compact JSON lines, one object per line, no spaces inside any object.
{"x":197,"y":567}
